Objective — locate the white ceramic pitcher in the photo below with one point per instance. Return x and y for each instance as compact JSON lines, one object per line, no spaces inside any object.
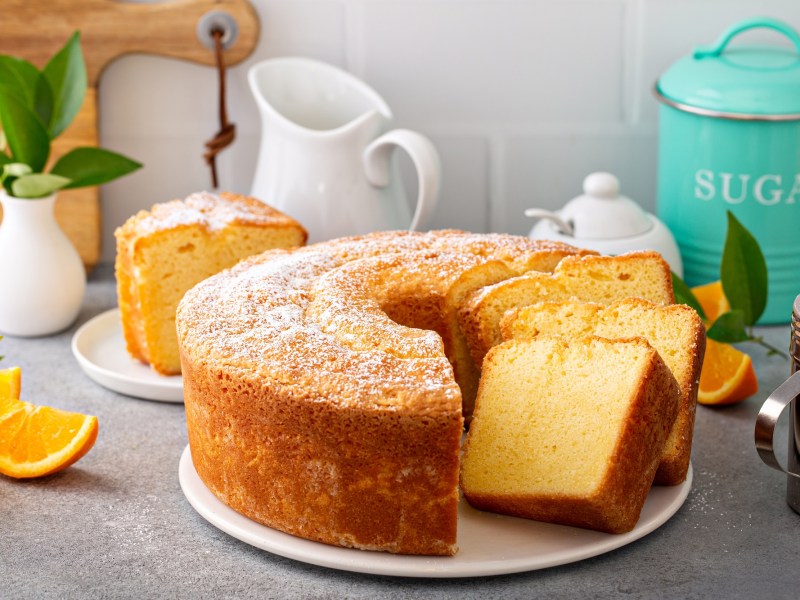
{"x":325,"y":156}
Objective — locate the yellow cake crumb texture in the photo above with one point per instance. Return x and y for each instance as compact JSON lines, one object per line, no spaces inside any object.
{"x":675,"y":331}
{"x":164,"y":251}
{"x":569,"y":431}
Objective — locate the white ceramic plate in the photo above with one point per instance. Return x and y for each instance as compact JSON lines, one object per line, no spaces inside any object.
{"x":99,"y":347}
{"x":489,"y":544}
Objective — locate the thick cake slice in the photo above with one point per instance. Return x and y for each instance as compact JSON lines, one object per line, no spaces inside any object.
{"x":163,"y":252}
{"x":602,"y":279}
{"x":569,"y":432}
{"x":675,"y":331}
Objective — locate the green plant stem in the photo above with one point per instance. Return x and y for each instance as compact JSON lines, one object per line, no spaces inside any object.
{"x":764,"y":344}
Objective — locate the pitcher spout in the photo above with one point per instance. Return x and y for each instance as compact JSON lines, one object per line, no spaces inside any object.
{"x":307,"y":95}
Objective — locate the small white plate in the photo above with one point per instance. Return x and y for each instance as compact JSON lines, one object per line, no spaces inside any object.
{"x":489,"y":544}
{"x":99,"y":347}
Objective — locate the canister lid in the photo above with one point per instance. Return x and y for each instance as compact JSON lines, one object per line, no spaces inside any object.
{"x":738,"y":80}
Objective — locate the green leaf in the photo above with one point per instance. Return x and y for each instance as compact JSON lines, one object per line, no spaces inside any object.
{"x":18,"y":77}
{"x":10,"y":172}
{"x":93,"y":166}
{"x":28,"y":84}
{"x":4,"y":159}
{"x":25,"y":134}
{"x":66,"y":74}
{"x":743,"y":272}
{"x":43,"y":100}
{"x":729,"y":328}
{"x":37,"y":185}
{"x":684,"y":295}
{"x":16,"y":170}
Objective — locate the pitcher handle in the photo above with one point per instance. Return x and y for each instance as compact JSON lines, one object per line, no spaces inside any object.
{"x":768,"y":418}
{"x":426,"y":162}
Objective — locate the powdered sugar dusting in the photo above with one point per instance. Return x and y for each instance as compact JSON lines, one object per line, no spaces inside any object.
{"x":209,"y":210}
{"x":311,"y":319}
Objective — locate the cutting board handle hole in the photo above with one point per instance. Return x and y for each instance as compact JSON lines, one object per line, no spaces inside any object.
{"x":217,"y":21}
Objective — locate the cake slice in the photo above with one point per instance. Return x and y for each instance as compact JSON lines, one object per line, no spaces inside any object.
{"x":602,"y":279}
{"x":163,"y":252}
{"x":569,"y":432}
{"x":675,"y":331}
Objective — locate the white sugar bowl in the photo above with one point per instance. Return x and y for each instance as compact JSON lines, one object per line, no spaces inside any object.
{"x":603,"y":220}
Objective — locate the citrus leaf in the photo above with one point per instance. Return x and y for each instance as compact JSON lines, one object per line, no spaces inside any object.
{"x":25,"y":134}
{"x":66,"y":74}
{"x":37,"y":185}
{"x":743,"y":272}
{"x":729,"y":328}
{"x":93,"y":166}
{"x":684,"y":295}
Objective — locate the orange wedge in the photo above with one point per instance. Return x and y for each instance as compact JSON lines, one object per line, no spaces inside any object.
{"x":727,"y":377}
{"x":39,"y":440}
{"x":10,"y":383}
{"x":712,"y":299}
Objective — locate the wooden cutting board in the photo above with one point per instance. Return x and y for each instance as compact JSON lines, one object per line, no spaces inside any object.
{"x":36,"y":29}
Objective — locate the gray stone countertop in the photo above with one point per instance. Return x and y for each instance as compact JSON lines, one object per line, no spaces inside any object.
{"x":117,"y":525}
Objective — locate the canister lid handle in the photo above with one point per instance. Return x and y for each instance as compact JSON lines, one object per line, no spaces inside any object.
{"x":753,"y":23}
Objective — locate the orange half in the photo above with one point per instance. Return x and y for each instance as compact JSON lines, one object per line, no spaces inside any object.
{"x":39,"y":440}
{"x":727,"y":377}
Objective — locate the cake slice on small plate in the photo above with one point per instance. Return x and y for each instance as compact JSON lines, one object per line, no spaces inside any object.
{"x":165,"y":251}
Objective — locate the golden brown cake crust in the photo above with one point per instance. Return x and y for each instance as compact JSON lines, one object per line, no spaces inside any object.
{"x":301,"y":417}
{"x":205,"y":210}
{"x":585,"y":278}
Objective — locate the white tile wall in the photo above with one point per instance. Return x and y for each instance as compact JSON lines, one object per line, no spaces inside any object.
{"x":499,"y":64}
{"x":522,"y":98}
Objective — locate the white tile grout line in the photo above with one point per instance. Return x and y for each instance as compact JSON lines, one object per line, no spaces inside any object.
{"x":635,"y":43}
{"x":496,"y":205}
{"x":628,"y":61}
{"x":536,"y":129}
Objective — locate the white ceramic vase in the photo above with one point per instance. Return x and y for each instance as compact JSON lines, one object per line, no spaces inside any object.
{"x":42,"y":278}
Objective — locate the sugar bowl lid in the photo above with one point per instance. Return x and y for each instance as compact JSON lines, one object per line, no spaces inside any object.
{"x":602,"y":213}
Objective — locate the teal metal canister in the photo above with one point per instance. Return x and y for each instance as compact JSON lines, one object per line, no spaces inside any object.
{"x":729,"y":140}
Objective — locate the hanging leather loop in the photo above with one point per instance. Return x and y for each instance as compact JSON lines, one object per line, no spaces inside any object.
{"x":227,"y":131}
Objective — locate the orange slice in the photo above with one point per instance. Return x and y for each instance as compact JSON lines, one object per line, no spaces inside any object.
{"x":39,"y":440}
{"x":727,"y":376}
{"x":10,"y":383}
{"x":712,"y":299}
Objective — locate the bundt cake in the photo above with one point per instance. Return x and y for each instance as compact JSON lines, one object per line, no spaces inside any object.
{"x":569,"y":432}
{"x":602,"y":279}
{"x":319,"y":396}
{"x":164,"y":251}
{"x":675,"y":331}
